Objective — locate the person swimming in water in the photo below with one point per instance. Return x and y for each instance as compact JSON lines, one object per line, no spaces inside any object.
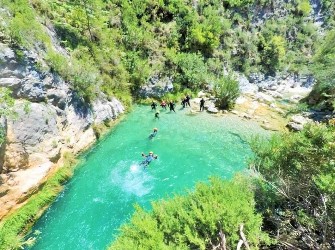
{"x":153,"y":134}
{"x":157,"y":115}
{"x":148,"y":158}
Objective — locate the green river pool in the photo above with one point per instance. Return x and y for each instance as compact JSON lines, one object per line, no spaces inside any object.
{"x":109,"y":181}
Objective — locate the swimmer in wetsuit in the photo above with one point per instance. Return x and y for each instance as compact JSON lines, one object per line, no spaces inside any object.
{"x":157,"y":115}
{"x":148,"y":158}
{"x":153,"y":134}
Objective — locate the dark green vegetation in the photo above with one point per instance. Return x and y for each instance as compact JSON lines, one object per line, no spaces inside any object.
{"x":323,"y":94}
{"x":21,"y":220}
{"x":117,"y":46}
{"x":197,"y":221}
{"x":296,"y":188}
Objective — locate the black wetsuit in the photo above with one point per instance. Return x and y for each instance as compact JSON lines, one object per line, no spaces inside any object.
{"x":171,"y":106}
{"x":202,"y":104}
{"x":152,"y":135}
{"x":187,"y":100}
{"x":153,"y":105}
{"x":183,"y":102}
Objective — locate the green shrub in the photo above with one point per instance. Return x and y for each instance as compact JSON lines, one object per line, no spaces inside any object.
{"x":226,"y":90}
{"x":192,"y":71}
{"x":195,"y":221}
{"x":323,"y":93}
{"x":237,"y":3}
{"x":24,"y":28}
{"x":297,"y":186}
{"x":304,"y":7}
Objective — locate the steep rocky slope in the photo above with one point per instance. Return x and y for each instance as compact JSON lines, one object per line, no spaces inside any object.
{"x":49,"y":119}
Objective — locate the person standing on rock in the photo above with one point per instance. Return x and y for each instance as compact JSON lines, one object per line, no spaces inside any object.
{"x":202,"y":104}
{"x":187,"y":100}
{"x":183,"y":102}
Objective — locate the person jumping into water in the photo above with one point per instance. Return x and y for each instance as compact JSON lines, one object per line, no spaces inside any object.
{"x":148,"y":159}
{"x":153,"y":134}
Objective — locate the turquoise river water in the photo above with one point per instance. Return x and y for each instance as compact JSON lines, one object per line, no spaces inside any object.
{"x":109,"y":181}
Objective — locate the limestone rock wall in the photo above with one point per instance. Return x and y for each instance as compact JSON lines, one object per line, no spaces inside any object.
{"x":50,"y":118}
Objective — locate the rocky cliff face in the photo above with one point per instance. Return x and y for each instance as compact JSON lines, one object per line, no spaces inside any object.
{"x":50,"y":118}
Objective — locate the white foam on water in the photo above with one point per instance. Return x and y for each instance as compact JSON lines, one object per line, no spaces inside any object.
{"x":134,"y":168}
{"x":132,"y":179}
{"x":98,"y":200}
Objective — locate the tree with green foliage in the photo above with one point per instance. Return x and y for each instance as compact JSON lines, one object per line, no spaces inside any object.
{"x":273,"y":52}
{"x":191,"y":70}
{"x":296,"y":189}
{"x":209,"y":217}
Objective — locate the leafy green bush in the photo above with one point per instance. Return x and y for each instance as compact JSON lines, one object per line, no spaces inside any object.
{"x":6,"y":109}
{"x":323,"y":93}
{"x":23,"y":26}
{"x":273,"y":52}
{"x":192,"y":71}
{"x":226,"y":90}
{"x":297,"y":186}
{"x":237,"y":3}
{"x":196,"y":220}
{"x":304,"y":8}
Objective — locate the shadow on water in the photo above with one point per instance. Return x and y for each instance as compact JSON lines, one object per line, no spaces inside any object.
{"x":243,"y":141}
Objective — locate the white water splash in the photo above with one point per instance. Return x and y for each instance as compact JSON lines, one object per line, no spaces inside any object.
{"x":98,"y":200}
{"x":134,"y":168}
{"x":132,"y":180}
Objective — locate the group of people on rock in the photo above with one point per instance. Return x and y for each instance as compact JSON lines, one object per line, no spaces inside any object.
{"x":185,"y":102}
{"x":164,"y":105}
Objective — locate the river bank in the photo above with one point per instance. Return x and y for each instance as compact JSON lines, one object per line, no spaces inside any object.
{"x":36,"y":193}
